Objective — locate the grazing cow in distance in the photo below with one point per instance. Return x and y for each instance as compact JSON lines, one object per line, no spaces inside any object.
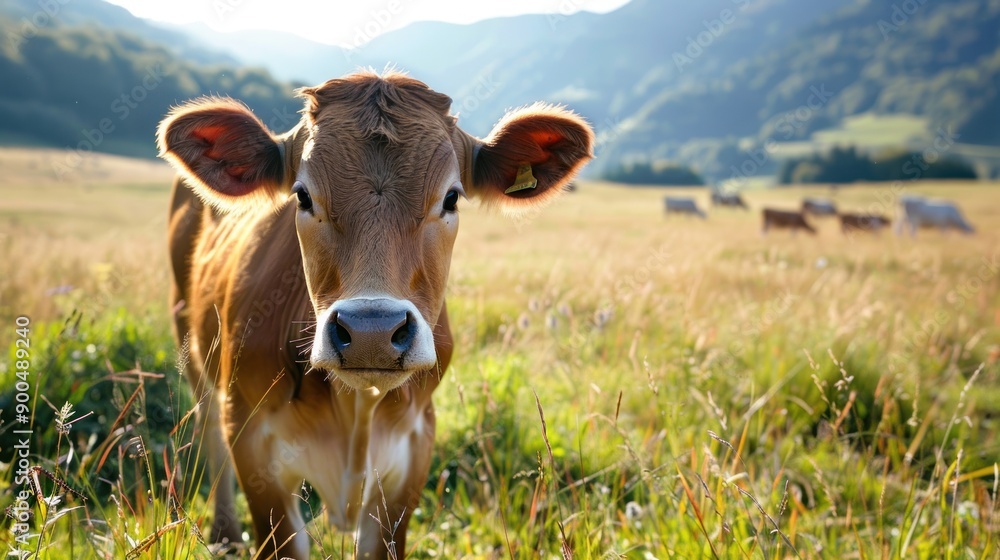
{"x":849,"y":223}
{"x":819,"y":207}
{"x":682,"y":205}
{"x":732,"y":200}
{"x":343,"y":226}
{"x":918,"y":212}
{"x":785,"y":219}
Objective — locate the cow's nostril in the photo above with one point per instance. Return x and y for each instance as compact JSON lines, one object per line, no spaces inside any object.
{"x":402,"y":338}
{"x":343,"y":336}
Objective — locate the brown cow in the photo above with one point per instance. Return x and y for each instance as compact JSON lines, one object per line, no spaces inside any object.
{"x":785,"y":219}
{"x":345,"y":224}
{"x":849,"y":223}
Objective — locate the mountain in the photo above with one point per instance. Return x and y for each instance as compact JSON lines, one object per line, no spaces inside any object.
{"x":705,"y":83}
{"x":29,"y":15}
{"x":606,"y":66}
{"x":939,"y":63}
{"x":88,"y":87}
{"x":286,"y":56}
{"x":722,"y":85}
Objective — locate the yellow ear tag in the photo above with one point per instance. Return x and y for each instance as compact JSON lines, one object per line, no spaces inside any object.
{"x":524,"y":179}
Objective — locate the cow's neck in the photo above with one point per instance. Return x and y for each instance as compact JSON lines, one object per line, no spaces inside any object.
{"x":385,"y":421}
{"x":355,"y":475}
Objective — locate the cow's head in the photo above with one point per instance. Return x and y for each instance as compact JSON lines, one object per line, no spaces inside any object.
{"x":377,"y":169}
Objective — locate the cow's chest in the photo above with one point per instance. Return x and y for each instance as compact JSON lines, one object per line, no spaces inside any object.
{"x":348,"y":450}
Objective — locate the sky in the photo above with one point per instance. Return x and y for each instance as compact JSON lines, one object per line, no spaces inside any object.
{"x":346,"y":23}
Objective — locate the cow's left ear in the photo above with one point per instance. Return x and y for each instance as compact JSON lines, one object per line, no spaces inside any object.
{"x":528,"y":158}
{"x":225,"y":153}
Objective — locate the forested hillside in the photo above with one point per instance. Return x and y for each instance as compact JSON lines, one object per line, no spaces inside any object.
{"x":709,"y":84}
{"x":89,"y":87}
{"x":940,"y":63}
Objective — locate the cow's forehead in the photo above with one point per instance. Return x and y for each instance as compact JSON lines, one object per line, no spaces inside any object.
{"x":393,"y":108}
{"x":369,"y":179}
{"x":374,"y":141}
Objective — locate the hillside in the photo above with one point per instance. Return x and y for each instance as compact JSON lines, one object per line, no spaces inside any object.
{"x":30,"y":14}
{"x":941,"y":64}
{"x":96,"y":88}
{"x":606,"y":66}
{"x":707,"y":84}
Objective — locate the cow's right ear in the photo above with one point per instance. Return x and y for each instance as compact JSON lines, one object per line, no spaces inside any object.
{"x":224,"y":152}
{"x":528,"y":158}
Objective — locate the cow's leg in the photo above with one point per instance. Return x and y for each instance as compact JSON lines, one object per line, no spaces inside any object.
{"x":382,"y":533}
{"x":278,"y":526}
{"x":386,"y":515}
{"x":185,"y":213}
{"x":382,"y":528}
{"x":225,"y":524}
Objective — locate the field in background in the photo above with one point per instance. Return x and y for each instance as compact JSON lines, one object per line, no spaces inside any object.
{"x":706,"y":391}
{"x":873,"y":133}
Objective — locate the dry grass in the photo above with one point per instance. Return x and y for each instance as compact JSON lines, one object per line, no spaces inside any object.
{"x":102,"y":235}
{"x":706,"y":390}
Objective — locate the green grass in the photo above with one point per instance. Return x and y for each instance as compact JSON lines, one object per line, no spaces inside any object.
{"x":706,"y":392}
{"x":872,"y":130}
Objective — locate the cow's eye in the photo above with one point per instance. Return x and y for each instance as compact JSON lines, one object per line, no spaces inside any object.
{"x":451,"y":200}
{"x":305,"y":201}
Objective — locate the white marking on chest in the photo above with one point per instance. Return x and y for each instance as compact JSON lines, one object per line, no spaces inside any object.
{"x":342,"y":470}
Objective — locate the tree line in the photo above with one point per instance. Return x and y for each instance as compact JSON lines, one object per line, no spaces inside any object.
{"x":646,"y":173}
{"x":849,"y":165}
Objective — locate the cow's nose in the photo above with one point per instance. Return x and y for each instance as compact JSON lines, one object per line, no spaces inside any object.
{"x":371,"y":333}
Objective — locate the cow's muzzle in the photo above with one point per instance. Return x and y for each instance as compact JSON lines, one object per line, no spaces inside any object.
{"x":373,"y":342}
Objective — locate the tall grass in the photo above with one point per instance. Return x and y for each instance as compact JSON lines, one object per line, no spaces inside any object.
{"x":624,"y":386}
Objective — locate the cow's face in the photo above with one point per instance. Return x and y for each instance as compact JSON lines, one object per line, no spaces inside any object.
{"x":377,"y":170}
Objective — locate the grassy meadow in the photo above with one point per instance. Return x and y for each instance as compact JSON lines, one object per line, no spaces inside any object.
{"x":707,"y":392}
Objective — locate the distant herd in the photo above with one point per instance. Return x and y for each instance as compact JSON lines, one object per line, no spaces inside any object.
{"x":915,"y":212}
